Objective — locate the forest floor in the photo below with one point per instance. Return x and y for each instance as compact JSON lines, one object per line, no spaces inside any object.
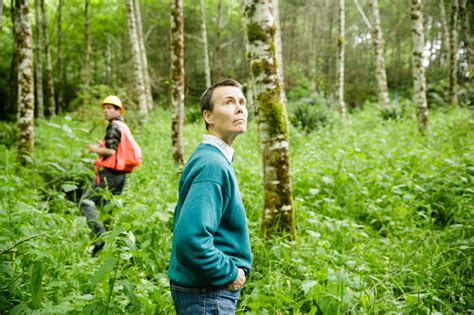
{"x":385,"y":220}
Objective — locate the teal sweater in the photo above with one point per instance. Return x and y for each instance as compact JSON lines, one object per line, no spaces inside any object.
{"x":210,"y":238}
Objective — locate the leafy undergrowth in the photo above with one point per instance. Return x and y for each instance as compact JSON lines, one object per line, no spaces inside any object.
{"x":384,"y":219}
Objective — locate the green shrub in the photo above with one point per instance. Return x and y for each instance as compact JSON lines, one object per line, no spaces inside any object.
{"x":8,"y":133}
{"x":311,"y":113}
{"x":193,"y":114}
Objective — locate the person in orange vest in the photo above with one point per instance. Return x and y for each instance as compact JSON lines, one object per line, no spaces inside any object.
{"x":110,"y":166}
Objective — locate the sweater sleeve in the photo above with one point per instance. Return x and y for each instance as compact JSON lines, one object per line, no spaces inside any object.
{"x":194,"y":234}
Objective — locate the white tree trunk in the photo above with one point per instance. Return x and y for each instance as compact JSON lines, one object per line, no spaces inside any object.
{"x":59,"y":60}
{"x":26,"y":91}
{"x":279,"y":50}
{"x":137,"y":61}
{"x":467,"y":36}
{"x":220,"y":26}
{"x":445,"y":29}
{"x":453,"y":60}
{"x":144,"y":59}
{"x":419,"y":81}
{"x":207,"y":69}
{"x":39,"y":63}
{"x":272,"y":119}
{"x":49,"y":67}
{"x":87,"y":56}
{"x":177,"y":80}
{"x":341,"y":52}
{"x":108,"y":62}
{"x":379,"y":55}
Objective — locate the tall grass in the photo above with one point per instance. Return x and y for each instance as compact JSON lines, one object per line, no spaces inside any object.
{"x":384,"y":219}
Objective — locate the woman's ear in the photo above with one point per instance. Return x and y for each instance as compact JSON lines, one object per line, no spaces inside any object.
{"x":207,"y":117}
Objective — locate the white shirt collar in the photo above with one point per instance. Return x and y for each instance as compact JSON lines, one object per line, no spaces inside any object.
{"x":221,"y":145}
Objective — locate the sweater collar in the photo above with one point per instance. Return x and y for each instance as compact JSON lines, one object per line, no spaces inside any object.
{"x":221,"y":145}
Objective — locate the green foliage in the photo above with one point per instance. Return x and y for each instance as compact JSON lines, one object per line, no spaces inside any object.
{"x":193,"y":114}
{"x":298,"y":84}
{"x":384,"y":218}
{"x":437,"y":94}
{"x":402,"y":108}
{"x":312,"y":113}
{"x":8,"y":134}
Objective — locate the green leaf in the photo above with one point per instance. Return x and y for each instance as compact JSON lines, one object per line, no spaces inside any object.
{"x":20,"y":309}
{"x":57,"y":166}
{"x":106,"y":267}
{"x":119,"y":229}
{"x":307,"y":285}
{"x":36,"y":286}
{"x":68,"y":187}
{"x":128,"y":289}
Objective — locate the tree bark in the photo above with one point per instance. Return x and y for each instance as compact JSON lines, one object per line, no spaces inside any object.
{"x":13,"y":76}
{"x":177,"y":80}
{"x":141,"y":41}
{"x":26,"y":93}
{"x":1,"y":11}
{"x":278,"y":216}
{"x":466,"y":36}
{"x":39,"y":63}
{"x":279,"y":50}
{"x":379,"y":55}
{"x":49,"y":68}
{"x":59,"y":60}
{"x":419,"y":81}
{"x":87,"y":55}
{"x":329,"y":55}
{"x":341,"y":52}
{"x":207,"y":69}
{"x":453,"y":60}
{"x":219,"y":41}
{"x":444,"y":23}
{"x":108,"y":62}
{"x":137,"y":61}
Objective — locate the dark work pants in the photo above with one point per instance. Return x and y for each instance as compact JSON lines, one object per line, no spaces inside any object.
{"x":110,"y":179}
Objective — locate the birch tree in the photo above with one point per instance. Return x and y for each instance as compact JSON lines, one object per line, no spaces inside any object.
{"x":453,"y":60}
{"x":39,"y":63}
{"x":444,"y":25}
{"x":137,"y":61}
{"x":49,"y":67}
{"x":59,"y":59}
{"x":108,"y":61}
{"x":279,"y":49}
{"x":340,"y":68}
{"x":220,"y":26}
{"x":87,"y":54}
{"x":419,"y":81}
{"x":466,"y":35}
{"x":26,"y":97}
{"x":278,"y":216}
{"x":207,"y":69}
{"x":144,"y":59}
{"x":177,"y":80}
{"x":379,"y":55}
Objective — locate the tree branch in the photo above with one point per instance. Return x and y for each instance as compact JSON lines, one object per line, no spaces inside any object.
{"x":364,"y":17}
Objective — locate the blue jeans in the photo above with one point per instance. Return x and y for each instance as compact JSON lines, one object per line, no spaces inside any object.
{"x":204,"y":301}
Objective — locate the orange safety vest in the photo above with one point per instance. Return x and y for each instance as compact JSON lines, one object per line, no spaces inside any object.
{"x":127,"y":156}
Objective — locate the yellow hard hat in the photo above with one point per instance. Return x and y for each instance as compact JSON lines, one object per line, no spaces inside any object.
{"x":113,"y":100}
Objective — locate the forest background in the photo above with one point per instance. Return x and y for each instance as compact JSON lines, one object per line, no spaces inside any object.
{"x":383,"y":213}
